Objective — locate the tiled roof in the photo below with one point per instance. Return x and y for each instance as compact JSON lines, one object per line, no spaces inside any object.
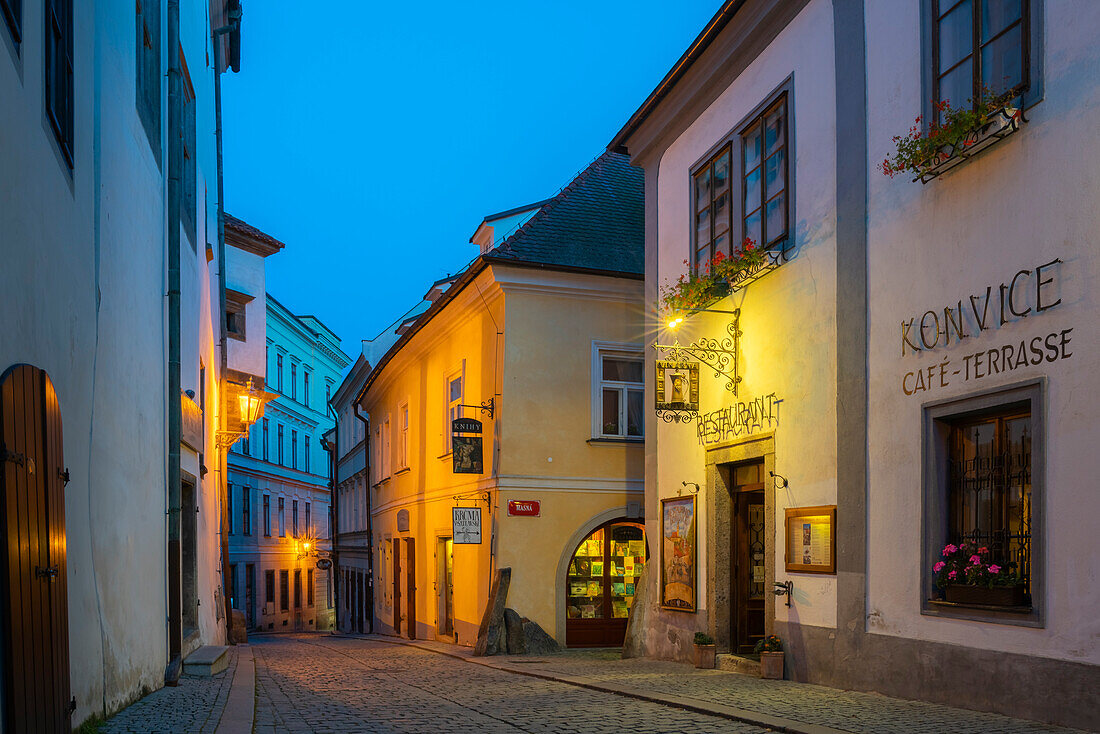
{"x":594,"y":223}
{"x":240,"y":233}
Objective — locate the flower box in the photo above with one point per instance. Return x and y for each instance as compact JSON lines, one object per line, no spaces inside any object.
{"x":1001,"y":123}
{"x":992,"y":596}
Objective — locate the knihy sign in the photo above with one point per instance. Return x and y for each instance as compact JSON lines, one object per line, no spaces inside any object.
{"x":466,"y":525}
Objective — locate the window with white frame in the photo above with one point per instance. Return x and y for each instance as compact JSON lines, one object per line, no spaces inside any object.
{"x":403,"y":436}
{"x":455,"y":388}
{"x":618,"y":391}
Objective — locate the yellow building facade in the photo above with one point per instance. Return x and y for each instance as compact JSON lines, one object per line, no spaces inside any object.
{"x":545,"y":326}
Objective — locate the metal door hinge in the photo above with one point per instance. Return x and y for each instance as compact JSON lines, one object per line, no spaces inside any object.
{"x":72,"y":705}
{"x":64,"y":474}
{"x":12,"y":456}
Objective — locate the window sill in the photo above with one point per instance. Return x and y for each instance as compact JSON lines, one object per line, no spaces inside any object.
{"x":1003,"y":123}
{"x":1022,"y":616}
{"x":616,"y":439}
{"x":402,"y":470}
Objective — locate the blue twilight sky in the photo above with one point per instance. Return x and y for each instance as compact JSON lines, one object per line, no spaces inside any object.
{"x":372,"y":137}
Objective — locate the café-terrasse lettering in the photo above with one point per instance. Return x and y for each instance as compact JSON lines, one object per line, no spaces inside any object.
{"x":924,"y":334}
{"x":739,"y":419}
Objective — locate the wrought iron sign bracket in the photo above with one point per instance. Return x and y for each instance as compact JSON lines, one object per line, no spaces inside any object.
{"x":476,"y":496}
{"x":487,"y":407}
{"x":718,"y":354}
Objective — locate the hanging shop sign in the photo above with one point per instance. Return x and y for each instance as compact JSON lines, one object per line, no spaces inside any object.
{"x":678,"y":553}
{"x":466,"y":525}
{"x":466,"y":453}
{"x":677,"y":387}
{"x":524,"y":508}
{"x":324,"y":564}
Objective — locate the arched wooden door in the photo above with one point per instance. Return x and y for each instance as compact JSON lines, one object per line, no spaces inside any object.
{"x":32,"y":555}
{"x":600,"y":584}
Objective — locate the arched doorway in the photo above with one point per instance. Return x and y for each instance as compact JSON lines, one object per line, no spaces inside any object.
{"x":600,"y":584}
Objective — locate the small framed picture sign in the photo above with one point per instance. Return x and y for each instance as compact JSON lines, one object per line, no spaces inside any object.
{"x":811,"y":539}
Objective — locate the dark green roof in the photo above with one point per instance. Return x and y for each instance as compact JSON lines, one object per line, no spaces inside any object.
{"x":594,"y":223}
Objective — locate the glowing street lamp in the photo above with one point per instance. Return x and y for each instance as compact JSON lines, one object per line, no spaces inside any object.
{"x":250,"y":403}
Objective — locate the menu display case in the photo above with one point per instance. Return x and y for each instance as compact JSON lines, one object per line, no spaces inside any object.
{"x":601,"y":582}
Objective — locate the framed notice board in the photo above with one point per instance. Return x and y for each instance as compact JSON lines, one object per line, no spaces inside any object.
{"x":811,"y":539}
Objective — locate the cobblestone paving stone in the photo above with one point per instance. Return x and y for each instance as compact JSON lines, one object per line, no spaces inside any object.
{"x":322,"y":684}
{"x":865,"y":713}
{"x":195,"y":705}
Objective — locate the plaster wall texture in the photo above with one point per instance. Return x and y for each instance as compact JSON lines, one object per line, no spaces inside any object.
{"x":1023,"y":203}
{"x":84,"y":276}
{"x":787,"y":318}
{"x":245,"y":274}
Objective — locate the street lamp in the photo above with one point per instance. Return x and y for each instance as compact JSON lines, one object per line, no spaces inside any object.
{"x":250,"y":403}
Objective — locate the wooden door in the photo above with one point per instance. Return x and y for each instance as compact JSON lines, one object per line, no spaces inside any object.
{"x":410,"y":588}
{"x":747,"y":557}
{"x":395,"y":551}
{"x":32,"y":568}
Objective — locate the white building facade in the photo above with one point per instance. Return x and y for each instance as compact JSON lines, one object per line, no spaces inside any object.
{"x":909,"y":370}
{"x":112,"y":314}
{"x":279,"y":483}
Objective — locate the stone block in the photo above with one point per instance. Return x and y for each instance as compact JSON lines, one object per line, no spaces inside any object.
{"x":515,"y":641}
{"x":536,"y":641}
{"x":207,"y":661}
{"x":492,"y":621}
{"x":238,"y":631}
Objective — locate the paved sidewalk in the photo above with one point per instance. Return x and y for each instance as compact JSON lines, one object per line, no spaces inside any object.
{"x":195,"y":705}
{"x":779,"y":705}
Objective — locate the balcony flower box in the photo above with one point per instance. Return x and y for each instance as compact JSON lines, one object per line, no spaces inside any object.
{"x":717,"y":278}
{"x":962,"y":134}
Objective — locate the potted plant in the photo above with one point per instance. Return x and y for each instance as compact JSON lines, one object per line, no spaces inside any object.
{"x":966,"y":575}
{"x":770,"y":650}
{"x":958,"y":134}
{"x":704,"y":651}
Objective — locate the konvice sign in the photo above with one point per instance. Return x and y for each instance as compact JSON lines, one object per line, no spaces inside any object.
{"x":1027,"y":292}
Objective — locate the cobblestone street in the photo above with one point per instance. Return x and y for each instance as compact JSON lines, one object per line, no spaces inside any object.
{"x":322,"y":683}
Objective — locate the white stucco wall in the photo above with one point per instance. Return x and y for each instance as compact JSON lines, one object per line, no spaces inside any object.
{"x":1025,"y":202}
{"x":244,"y":273}
{"x":84,"y":278}
{"x":787,"y":317}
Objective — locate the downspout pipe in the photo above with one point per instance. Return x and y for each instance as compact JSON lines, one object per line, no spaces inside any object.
{"x":233,"y":26}
{"x":175,"y":408}
{"x":370,"y":519}
{"x":334,"y":519}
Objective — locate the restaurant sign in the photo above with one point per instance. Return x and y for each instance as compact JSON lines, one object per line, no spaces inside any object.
{"x":466,"y":525}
